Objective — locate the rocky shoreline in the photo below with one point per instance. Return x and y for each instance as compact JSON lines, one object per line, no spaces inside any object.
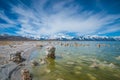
{"x":10,"y":70}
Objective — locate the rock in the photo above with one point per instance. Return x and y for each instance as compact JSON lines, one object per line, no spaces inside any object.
{"x":34,"y":63}
{"x":16,"y":57}
{"x":42,"y":61}
{"x":111,"y":65}
{"x":99,"y":45}
{"x":77,"y":72}
{"x":50,"y":52}
{"x":91,"y":76}
{"x":48,"y":70}
{"x":118,"y":58}
{"x":5,"y":62}
{"x":70,"y":63}
{"x":39,"y":45}
{"x":59,"y":79}
{"x":25,"y":74}
{"x":78,"y":68}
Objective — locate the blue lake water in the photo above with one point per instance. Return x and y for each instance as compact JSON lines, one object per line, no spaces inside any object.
{"x":76,"y":60}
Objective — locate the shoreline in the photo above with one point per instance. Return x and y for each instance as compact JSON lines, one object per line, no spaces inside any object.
{"x":8,"y":69}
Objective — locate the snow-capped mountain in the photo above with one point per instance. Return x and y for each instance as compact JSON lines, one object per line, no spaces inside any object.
{"x":66,"y":37}
{"x":62,"y":37}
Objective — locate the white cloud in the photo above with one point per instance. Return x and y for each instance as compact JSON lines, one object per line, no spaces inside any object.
{"x":111,"y":29}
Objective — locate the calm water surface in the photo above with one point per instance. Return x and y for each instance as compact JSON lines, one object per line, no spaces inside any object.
{"x":75,"y":58}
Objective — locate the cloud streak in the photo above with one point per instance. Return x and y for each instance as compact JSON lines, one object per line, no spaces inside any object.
{"x":9,"y":22}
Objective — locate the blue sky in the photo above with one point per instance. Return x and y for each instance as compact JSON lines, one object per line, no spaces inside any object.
{"x":50,"y":17}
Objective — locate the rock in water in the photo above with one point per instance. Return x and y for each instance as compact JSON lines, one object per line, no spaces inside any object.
{"x":34,"y":63}
{"x":118,"y":58}
{"x":47,"y":70}
{"x":42,"y":61}
{"x":50,"y":52}
{"x":91,"y":76}
{"x":70,"y":63}
{"x":59,"y":79}
{"x":77,"y":72}
{"x":78,"y":67}
{"x":94,"y":65}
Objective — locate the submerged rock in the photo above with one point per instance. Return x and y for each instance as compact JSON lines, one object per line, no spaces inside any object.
{"x":42,"y":61}
{"x":16,"y":57}
{"x":91,"y":76}
{"x":70,"y":63}
{"x":77,"y":72}
{"x":59,"y":79}
{"x":118,"y":58}
{"x":47,"y":70}
{"x":111,"y":65}
{"x":78,"y":68}
{"x":94,"y":65}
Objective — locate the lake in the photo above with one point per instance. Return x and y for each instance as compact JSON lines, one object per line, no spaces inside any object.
{"x":79,"y":60}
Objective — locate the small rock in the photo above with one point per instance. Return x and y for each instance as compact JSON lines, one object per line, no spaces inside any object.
{"x":91,"y":76}
{"x":59,"y":79}
{"x":42,"y":61}
{"x":48,"y":70}
{"x":77,"y":72}
{"x":70,"y":63}
{"x":34,"y":63}
{"x":94,"y":65}
{"x":118,"y":58}
{"x":78,"y":67}
{"x":111,"y":65}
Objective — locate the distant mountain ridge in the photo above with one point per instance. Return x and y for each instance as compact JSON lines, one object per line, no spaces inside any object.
{"x":11,"y":38}
{"x":61,"y":38}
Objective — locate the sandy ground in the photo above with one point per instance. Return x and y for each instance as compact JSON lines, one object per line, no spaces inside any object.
{"x":8,"y":69}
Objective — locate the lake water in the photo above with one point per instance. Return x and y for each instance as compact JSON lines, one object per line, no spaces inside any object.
{"x":79,"y":60}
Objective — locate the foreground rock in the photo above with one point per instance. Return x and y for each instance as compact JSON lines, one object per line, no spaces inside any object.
{"x":26,"y":74}
{"x":50,"y":52}
{"x":94,"y":65}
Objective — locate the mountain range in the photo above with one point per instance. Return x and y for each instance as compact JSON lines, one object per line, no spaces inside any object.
{"x":61,"y":38}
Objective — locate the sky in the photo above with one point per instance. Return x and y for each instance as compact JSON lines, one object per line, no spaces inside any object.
{"x":51,"y":17}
